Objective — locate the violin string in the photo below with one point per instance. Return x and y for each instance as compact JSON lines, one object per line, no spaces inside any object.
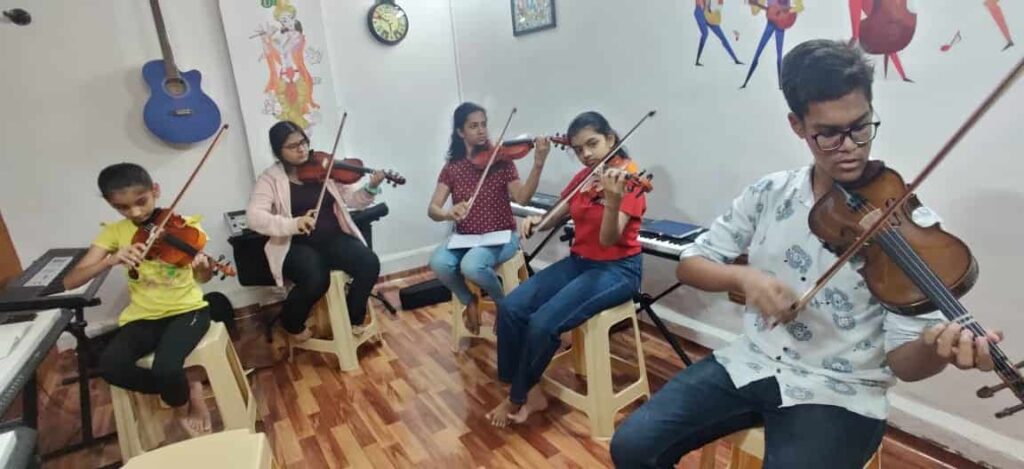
{"x":947,"y":303}
{"x":944,"y":299}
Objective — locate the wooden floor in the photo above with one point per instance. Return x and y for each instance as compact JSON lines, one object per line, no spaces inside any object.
{"x":414,"y":403}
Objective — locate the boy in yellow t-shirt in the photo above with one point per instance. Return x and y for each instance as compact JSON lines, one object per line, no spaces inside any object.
{"x":167,"y":315}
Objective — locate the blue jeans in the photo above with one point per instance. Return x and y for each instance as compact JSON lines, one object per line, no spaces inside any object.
{"x":454,"y":266}
{"x":700,"y":405}
{"x":555,"y":300}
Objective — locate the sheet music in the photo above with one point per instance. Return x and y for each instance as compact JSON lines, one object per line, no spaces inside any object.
{"x":10,"y":335}
{"x":7,"y":444}
{"x":50,"y":271}
{"x":78,"y":291}
{"x":494,"y":238}
{"x":30,"y":339}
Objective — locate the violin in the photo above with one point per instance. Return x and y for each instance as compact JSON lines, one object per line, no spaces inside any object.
{"x":179,"y":244}
{"x":511,"y":150}
{"x":908,"y":268}
{"x":612,"y":154}
{"x":636,"y":179}
{"x":345,"y":171}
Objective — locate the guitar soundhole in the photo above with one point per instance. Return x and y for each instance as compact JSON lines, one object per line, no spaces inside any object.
{"x":175,"y":87}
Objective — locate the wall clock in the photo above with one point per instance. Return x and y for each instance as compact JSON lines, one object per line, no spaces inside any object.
{"x":388,"y":22}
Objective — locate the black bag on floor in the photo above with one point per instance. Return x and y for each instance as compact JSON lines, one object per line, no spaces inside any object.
{"x":424,"y":294}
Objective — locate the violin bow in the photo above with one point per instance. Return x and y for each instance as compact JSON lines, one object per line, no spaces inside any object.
{"x":564,"y":200}
{"x":152,"y":239}
{"x":494,"y":153}
{"x":883,"y":219}
{"x":330,"y":167}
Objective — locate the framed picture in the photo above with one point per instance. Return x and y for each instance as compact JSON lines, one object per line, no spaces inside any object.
{"x":530,"y":16}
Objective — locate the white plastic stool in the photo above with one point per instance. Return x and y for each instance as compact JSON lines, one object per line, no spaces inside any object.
{"x":138,"y":416}
{"x":331,"y":314}
{"x":748,"y":451}
{"x":591,"y":355}
{"x":231,"y":449}
{"x":511,"y":273}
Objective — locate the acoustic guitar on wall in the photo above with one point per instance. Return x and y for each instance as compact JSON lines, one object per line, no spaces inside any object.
{"x":177,"y":110}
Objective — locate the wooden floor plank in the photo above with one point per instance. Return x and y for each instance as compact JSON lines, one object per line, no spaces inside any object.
{"x":413,"y":403}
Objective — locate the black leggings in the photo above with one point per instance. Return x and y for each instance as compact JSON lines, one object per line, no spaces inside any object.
{"x":309,"y":266}
{"x":170,"y":340}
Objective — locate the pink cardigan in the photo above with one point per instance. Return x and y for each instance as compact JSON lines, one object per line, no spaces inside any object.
{"x":270,"y":213}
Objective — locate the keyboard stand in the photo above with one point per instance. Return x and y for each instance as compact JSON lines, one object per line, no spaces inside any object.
{"x":530,"y":256}
{"x":645,"y":300}
{"x":13,"y":299}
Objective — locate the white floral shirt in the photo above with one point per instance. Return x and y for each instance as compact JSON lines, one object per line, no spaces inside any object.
{"x":834,"y":352}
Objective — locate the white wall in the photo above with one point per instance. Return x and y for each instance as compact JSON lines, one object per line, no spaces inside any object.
{"x":399,"y":101}
{"x":710,"y":139}
{"x":73,"y":94}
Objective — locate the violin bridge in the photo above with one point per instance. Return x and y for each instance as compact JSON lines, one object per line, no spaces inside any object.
{"x":870,"y":218}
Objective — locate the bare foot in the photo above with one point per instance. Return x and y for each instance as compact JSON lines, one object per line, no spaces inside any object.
{"x":536,"y":401}
{"x":471,"y":317}
{"x":303,"y":336}
{"x":506,"y":413}
{"x":358,"y":331}
{"x":197,"y":406}
{"x":188,"y":419}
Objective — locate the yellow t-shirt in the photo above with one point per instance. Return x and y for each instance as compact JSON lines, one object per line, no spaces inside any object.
{"x":162,"y":290}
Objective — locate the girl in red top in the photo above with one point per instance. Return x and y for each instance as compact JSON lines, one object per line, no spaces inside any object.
{"x":491,"y":212}
{"x":602,"y":271}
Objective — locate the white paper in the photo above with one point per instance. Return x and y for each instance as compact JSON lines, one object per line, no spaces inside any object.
{"x":465,"y":241}
{"x":77,"y":291}
{"x":7,"y":445}
{"x":10,"y":336}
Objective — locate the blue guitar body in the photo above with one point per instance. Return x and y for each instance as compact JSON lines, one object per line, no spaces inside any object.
{"x":178,"y":111}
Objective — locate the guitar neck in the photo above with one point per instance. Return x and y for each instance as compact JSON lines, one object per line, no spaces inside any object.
{"x":170,"y":68}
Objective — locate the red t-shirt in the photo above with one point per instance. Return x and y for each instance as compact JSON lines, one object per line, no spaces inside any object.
{"x":491,"y":211}
{"x":586,"y":212}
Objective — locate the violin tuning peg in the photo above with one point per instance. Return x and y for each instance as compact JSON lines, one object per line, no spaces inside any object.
{"x":1009,"y":411}
{"x":989,"y":391}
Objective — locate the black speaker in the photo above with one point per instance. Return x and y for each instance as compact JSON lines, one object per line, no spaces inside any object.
{"x":250,"y":260}
{"x":423,"y":294}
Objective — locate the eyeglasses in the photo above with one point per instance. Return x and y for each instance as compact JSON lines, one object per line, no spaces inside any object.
{"x":860,"y":135}
{"x":296,"y":145}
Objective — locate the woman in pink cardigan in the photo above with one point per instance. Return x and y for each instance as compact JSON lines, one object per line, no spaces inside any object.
{"x":304,"y":248}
